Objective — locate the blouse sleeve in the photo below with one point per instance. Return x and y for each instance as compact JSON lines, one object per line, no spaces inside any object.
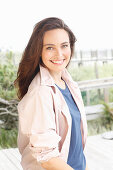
{"x":37,"y":138}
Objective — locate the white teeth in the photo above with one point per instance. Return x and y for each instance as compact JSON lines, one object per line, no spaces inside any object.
{"x":58,"y":62}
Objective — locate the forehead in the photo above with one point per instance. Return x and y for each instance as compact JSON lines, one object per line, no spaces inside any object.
{"x":56,"y":36}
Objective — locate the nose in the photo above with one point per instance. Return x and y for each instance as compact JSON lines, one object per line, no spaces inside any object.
{"x":59,"y":52}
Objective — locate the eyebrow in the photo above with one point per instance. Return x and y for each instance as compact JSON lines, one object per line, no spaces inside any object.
{"x":54,"y":44}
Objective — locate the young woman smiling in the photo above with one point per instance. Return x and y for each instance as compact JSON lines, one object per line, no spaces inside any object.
{"x":52,"y":123}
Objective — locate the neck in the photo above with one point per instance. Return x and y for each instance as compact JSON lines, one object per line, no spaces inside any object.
{"x":58,"y":79}
{"x":56,"y":76}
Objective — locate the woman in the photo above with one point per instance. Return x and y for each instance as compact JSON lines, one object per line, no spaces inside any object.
{"x":52,"y":123}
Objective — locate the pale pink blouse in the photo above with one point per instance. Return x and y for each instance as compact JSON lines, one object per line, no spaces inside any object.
{"x":45,"y":121}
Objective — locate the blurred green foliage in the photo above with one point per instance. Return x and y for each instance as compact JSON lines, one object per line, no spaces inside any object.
{"x":87,"y":72}
{"x":108,"y":113}
{"x":99,"y":126}
{"x":104,"y":123}
{"x":8,"y":129}
{"x":7,"y":76}
{"x":8,"y":138}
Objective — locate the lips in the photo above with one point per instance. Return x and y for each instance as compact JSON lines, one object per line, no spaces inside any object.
{"x":58,"y":61}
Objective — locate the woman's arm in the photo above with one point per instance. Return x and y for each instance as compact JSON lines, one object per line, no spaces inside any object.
{"x":37,"y":138}
{"x":56,"y":164}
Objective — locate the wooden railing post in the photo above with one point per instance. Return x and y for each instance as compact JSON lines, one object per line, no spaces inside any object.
{"x":106,"y":95}
{"x":88,"y":97}
{"x":81,"y":56}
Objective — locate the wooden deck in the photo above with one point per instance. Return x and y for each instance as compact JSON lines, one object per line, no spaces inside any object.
{"x":10,"y":159}
{"x":99,"y":155}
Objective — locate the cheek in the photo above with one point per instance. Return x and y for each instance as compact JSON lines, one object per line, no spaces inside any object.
{"x":46,"y":54}
{"x":45,"y":57}
{"x":68,"y":53}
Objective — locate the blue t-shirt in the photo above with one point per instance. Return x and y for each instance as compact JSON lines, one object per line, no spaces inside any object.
{"x":76,"y":158}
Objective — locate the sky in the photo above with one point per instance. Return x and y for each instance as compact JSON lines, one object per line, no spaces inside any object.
{"x":90,"y":20}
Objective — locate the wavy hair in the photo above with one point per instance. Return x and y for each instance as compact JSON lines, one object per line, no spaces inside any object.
{"x":31,"y":58}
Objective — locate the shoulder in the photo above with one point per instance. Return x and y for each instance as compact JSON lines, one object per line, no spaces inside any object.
{"x":35,"y":95}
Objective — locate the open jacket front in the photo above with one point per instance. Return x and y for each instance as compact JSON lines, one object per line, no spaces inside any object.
{"x":45,"y":121}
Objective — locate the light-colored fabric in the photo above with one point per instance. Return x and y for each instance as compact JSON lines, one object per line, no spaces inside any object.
{"x":45,"y":121}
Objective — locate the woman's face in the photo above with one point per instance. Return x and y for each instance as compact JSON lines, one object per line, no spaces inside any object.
{"x":56,"y":50}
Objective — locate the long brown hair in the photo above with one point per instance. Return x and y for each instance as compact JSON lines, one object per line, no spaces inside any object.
{"x":31,"y":58}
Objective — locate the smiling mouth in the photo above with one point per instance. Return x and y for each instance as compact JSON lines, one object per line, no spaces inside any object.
{"x":58,"y":61}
